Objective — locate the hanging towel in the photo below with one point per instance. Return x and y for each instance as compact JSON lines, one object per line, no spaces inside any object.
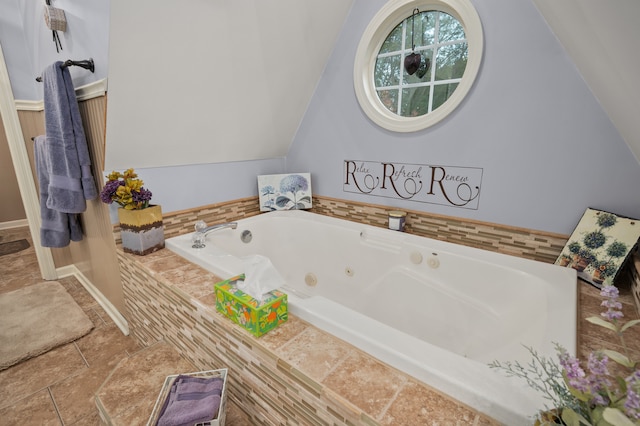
{"x":70,"y":179}
{"x":58,"y":228}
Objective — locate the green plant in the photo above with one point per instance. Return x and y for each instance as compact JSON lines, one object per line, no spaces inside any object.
{"x":594,"y":239}
{"x":587,"y":254}
{"x":591,"y":396}
{"x":606,"y":267}
{"x":574,"y":247}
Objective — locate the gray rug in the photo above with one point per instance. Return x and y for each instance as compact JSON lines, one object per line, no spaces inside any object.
{"x":36,"y":319}
{"x":13,"y":247}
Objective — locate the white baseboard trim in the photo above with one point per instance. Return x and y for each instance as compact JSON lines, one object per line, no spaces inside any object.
{"x":14,"y":224}
{"x":111,"y":310}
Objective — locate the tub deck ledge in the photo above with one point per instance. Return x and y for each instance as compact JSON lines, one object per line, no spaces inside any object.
{"x":295,"y":373}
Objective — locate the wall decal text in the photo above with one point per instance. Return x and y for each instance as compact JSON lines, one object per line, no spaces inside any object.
{"x":434,"y":184}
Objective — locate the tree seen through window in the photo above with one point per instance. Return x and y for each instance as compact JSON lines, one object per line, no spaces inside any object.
{"x":438,"y":37}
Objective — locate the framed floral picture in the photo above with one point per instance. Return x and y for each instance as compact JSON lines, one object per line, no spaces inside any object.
{"x":599,"y":246}
{"x":284,"y":192}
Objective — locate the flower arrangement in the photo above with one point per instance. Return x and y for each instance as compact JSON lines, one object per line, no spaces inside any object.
{"x":126,"y":190}
{"x":603,"y":393}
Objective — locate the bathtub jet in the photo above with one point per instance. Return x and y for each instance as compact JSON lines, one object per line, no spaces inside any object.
{"x":438,"y":311}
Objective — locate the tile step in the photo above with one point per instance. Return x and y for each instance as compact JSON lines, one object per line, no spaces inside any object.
{"x":129,"y":393}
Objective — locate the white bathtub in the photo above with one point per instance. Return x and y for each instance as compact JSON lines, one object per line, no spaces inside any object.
{"x":435,"y":310}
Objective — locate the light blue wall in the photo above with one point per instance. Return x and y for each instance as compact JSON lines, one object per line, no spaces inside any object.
{"x":28,"y":45}
{"x":184,"y":187}
{"x":28,"y":48}
{"x":547,"y":149}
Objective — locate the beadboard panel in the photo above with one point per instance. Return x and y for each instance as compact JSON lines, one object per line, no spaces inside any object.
{"x":94,"y":256}
{"x":12,"y":208}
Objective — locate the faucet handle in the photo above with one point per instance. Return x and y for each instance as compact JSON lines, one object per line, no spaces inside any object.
{"x":200,"y":226}
{"x":197,"y":240}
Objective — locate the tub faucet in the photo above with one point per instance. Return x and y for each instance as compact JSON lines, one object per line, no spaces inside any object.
{"x":209,"y":229}
{"x":202,"y":230}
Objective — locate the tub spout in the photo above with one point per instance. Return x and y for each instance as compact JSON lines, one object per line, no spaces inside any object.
{"x":213,"y":228}
{"x":202,"y":230}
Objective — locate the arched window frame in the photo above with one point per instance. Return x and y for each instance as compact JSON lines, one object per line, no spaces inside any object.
{"x":376,"y":33}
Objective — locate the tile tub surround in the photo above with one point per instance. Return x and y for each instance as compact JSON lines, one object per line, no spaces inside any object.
{"x":527,"y":243}
{"x":278,"y":351}
{"x":295,"y":374}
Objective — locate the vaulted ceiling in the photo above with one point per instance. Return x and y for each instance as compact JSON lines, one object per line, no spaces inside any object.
{"x":602,"y":38}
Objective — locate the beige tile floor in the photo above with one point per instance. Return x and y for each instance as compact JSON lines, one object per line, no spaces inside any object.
{"x":58,"y":387}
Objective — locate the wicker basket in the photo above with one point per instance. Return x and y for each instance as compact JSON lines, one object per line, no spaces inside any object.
{"x":55,"y":18}
{"x":166,"y":388}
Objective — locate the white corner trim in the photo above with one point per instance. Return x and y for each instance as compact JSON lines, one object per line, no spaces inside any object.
{"x":22,"y":167}
{"x":83,"y":93}
{"x":114,"y":314}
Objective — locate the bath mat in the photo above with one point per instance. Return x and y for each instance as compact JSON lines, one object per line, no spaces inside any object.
{"x":13,"y":247}
{"x":36,"y":319}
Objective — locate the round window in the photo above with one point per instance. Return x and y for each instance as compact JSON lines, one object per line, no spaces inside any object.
{"x":416,"y":62}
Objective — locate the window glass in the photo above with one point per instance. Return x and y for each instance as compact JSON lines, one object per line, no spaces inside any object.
{"x":424,"y":33}
{"x":395,"y":89}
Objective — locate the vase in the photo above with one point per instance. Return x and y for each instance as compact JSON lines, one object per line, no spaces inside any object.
{"x":141,"y":231}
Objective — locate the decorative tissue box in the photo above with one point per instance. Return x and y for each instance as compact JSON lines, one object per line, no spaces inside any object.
{"x":254,"y":315}
{"x":218,"y":420}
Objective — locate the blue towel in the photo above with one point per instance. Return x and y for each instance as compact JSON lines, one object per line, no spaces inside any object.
{"x":58,"y":228}
{"x":70,"y":180}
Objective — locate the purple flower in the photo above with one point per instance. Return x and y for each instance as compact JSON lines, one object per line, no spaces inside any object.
{"x":610,"y":292}
{"x":126,"y":190}
{"x":575,"y":373}
{"x":614,"y":308}
{"x":600,"y":400}
{"x":109,"y":190}
{"x":598,"y":377}
{"x":632,"y":404}
{"x":597,"y":365}
{"x":141,"y":196}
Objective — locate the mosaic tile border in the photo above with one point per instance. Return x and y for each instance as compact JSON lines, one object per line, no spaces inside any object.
{"x":530,"y":244}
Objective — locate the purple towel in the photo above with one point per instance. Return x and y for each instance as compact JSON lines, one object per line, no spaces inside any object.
{"x":70,"y":179}
{"x":58,"y":229}
{"x":191,"y":400}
